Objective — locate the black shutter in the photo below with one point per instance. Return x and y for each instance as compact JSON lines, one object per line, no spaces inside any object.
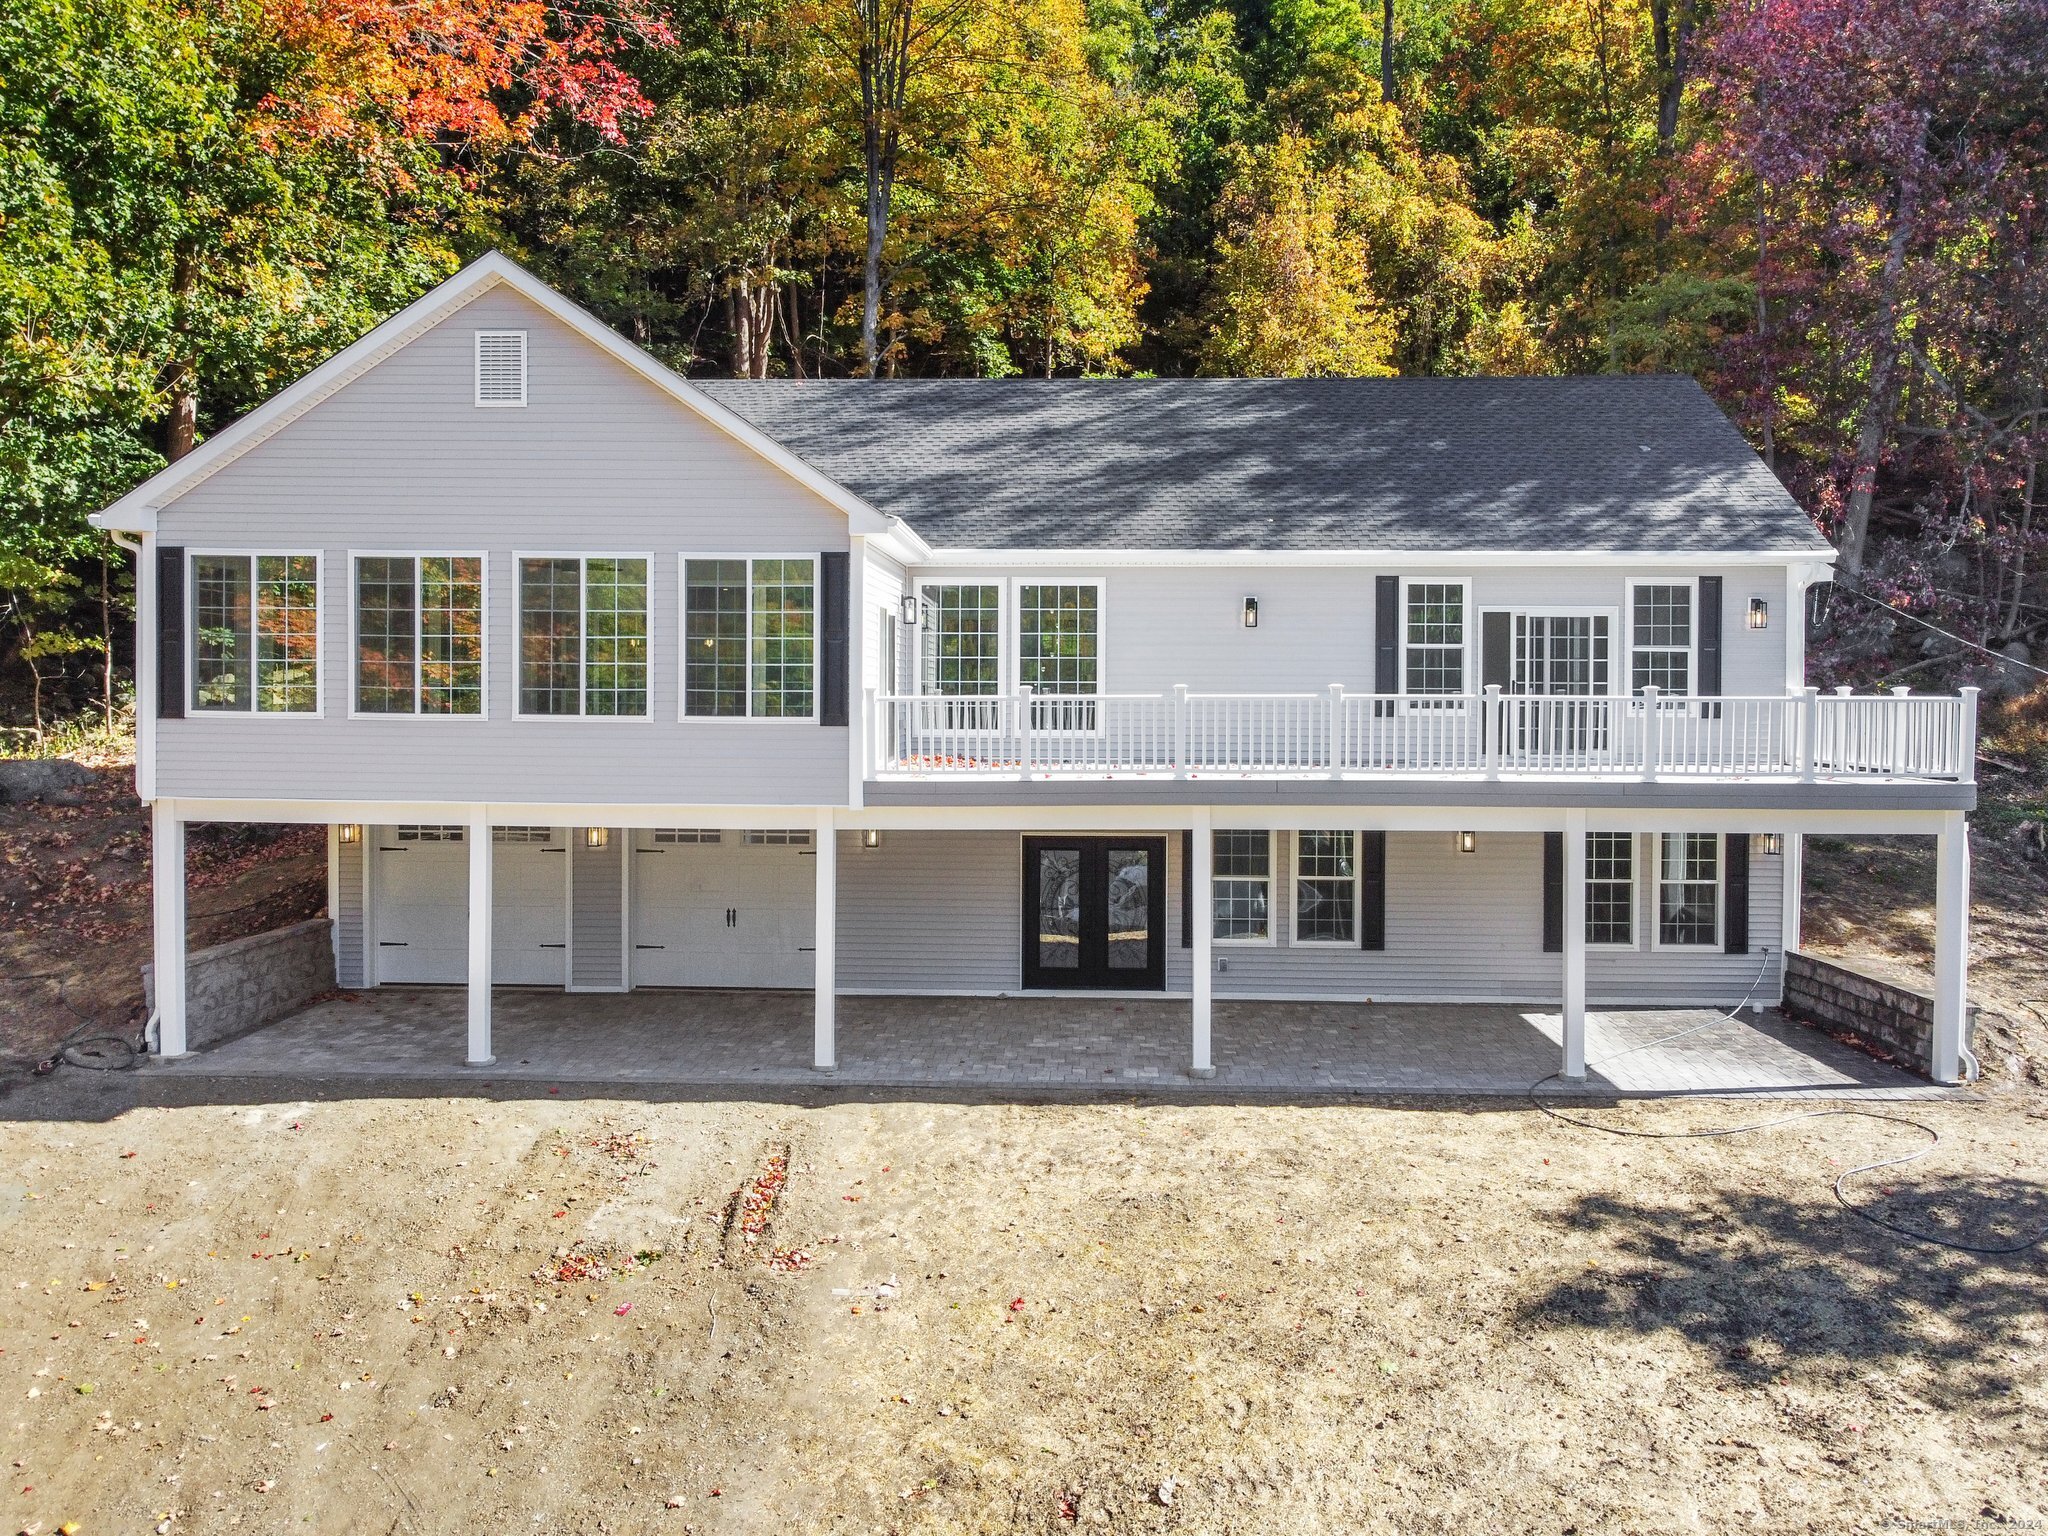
{"x":1496,"y":651}
{"x":170,"y":632}
{"x":1187,"y":888}
{"x":1710,"y":637}
{"x":1735,"y":893}
{"x":1386,"y":619}
{"x":1553,"y":893}
{"x":832,"y":629}
{"x":1372,"y":890}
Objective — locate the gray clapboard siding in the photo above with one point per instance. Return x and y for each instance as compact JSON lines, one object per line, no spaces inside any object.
{"x":599,"y":462}
{"x":597,"y":913}
{"x":942,"y":911}
{"x":349,"y":916}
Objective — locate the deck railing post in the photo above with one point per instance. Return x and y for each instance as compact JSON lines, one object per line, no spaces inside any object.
{"x":1967,"y":768}
{"x":1809,"y":733}
{"x":1336,"y":751}
{"x":1492,"y":723}
{"x":1653,"y":756}
{"x":1180,"y":728}
{"x":1024,"y":695}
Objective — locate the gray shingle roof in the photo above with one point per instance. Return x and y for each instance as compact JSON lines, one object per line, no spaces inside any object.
{"x":1608,"y":463}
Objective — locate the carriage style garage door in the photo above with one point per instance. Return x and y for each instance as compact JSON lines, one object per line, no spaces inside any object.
{"x":723,"y":909}
{"x":419,"y":905}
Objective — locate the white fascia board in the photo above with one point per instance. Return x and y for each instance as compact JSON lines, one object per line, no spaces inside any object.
{"x":136,"y":511}
{"x":1379,"y":559}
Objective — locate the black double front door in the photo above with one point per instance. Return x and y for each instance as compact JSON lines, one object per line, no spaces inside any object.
{"x":1095,"y":912}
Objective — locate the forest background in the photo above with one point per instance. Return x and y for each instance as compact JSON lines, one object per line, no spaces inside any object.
{"x":1830,"y":212}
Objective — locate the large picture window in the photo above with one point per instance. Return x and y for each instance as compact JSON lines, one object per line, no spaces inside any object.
{"x":1325,"y":888}
{"x":750,"y":638}
{"x":1689,"y":890}
{"x":419,"y":635}
{"x":583,"y":635}
{"x":1661,"y":636}
{"x":1611,"y":889}
{"x":1243,"y":887}
{"x":963,"y":627}
{"x":1059,"y":652}
{"x":256,"y":634}
{"x":1433,"y":648}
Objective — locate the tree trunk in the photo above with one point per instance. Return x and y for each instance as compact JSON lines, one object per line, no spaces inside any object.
{"x":884,"y":58}
{"x":1882,"y":399}
{"x":1387,"y":52}
{"x":180,"y":428}
{"x":2010,"y":629}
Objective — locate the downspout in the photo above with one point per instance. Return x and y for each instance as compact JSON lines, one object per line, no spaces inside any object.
{"x":149,"y":1028}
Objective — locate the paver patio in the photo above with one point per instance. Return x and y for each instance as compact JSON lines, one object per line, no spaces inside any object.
{"x":763,"y":1039}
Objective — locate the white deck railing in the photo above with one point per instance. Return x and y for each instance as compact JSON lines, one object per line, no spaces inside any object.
{"x":1335,"y":734}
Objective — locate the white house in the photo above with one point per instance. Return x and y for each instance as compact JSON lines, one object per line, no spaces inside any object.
{"x":600,"y":678}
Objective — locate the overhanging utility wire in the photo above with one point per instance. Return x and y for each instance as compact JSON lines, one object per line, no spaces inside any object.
{"x":1947,"y":634}
{"x":1841,"y":1197}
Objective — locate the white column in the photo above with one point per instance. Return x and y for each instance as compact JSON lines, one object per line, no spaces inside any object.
{"x":1201,"y":880}
{"x":167,"y":891}
{"x":1575,"y":945}
{"x":825,"y":949}
{"x":1795,"y":891}
{"x":1951,"y":945}
{"x":480,"y":937}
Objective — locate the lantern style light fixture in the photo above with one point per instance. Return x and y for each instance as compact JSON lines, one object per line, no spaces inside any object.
{"x":1770,"y":844}
{"x":871,"y":838}
{"x":1251,"y":613}
{"x":1759,"y":613}
{"x":910,"y":607}
{"x":349,"y":832}
{"x":596,"y":837}
{"x":1468,"y":842}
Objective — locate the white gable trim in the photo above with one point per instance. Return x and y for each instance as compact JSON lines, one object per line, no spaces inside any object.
{"x":136,"y":511}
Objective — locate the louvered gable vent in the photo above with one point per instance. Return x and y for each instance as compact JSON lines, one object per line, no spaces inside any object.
{"x":501,"y":367}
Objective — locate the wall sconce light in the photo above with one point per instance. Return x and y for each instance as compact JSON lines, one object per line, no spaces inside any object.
{"x":596,"y":837}
{"x":910,"y":607}
{"x":1468,"y":842}
{"x":871,"y":838}
{"x":1251,"y":613}
{"x":1759,"y":613}
{"x":349,"y":832}
{"x":1768,"y":844}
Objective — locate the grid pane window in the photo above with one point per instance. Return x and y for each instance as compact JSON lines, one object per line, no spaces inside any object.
{"x":419,"y":635}
{"x":451,"y":635}
{"x":550,"y":637}
{"x":1610,"y":888}
{"x":1436,"y":637}
{"x":1243,"y":884}
{"x":964,"y":637}
{"x":1058,"y":647}
{"x":1325,"y":888}
{"x":715,"y":637}
{"x":784,"y":638}
{"x":1661,"y":638}
{"x":255,"y":633}
{"x":615,"y":642}
{"x":223,"y":649}
{"x":1689,"y":889}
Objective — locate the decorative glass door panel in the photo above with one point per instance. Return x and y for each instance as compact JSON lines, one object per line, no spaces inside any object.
{"x":1562,"y":656}
{"x":1095,"y":912}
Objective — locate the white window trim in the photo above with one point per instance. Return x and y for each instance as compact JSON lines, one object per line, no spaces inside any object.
{"x":1272,"y":936}
{"x":477,"y":370}
{"x":1295,"y":940}
{"x":1692,"y":651}
{"x":1470,"y":650}
{"x":683,"y":638}
{"x":1635,"y":899}
{"x":1657,"y":883}
{"x":582,"y":716}
{"x":252,"y":553}
{"x":1010,"y":625}
{"x":354,"y":617}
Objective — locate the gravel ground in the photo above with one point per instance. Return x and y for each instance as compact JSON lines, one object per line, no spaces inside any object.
{"x":589,"y":1314}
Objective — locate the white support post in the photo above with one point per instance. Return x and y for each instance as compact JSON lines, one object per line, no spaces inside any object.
{"x":825,"y":949}
{"x":167,"y":890}
{"x":1201,"y":879}
{"x":1653,"y":755}
{"x":1575,"y":946}
{"x":860,"y":721}
{"x":1794,"y":933}
{"x":1951,"y":945}
{"x":1336,"y":754}
{"x":479,"y":832}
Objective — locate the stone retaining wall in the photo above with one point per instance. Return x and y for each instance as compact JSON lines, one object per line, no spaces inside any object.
{"x":1881,"y":1013}
{"x":244,"y":984}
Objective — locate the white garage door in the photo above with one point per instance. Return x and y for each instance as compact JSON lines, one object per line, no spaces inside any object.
{"x":723,"y":909}
{"x":530,"y":906}
{"x":419,"y":904}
